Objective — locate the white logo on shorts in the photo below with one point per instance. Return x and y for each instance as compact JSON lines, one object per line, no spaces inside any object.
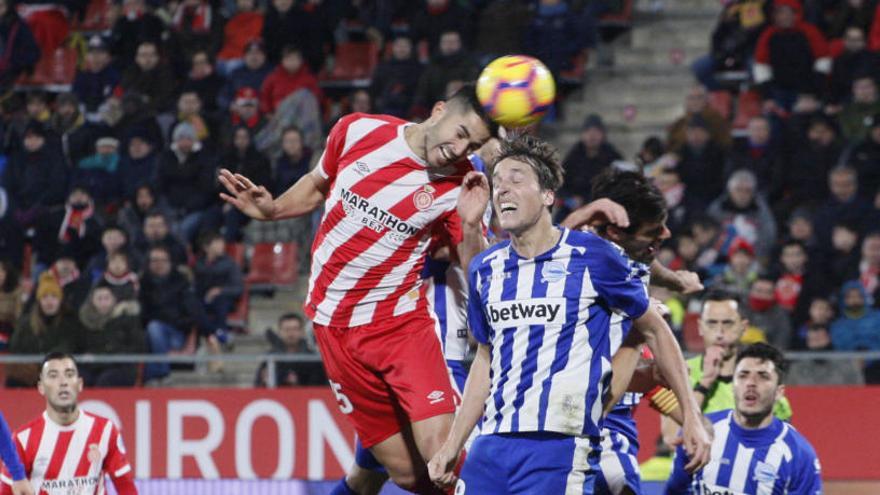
{"x":459,"y":487}
{"x":436,"y":396}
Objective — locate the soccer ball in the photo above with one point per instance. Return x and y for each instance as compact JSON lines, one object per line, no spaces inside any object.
{"x":516,"y":90}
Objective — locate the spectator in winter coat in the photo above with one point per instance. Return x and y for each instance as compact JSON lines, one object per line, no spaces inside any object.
{"x":293,"y":162}
{"x":303,"y":24}
{"x":554,"y":35}
{"x":697,"y":103}
{"x":151,"y":78}
{"x":855,"y":60}
{"x":766,"y":315}
{"x":451,"y":63}
{"x":864,"y":105}
{"x":844,"y":204}
{"x":97,"y":79}
{"x":857,"y":327}
{"x":761,"y":154}
{"x":243,"y":113}
{"x":156,"y":232}
{"x":805,"y":180}
{"x":197,"y":26}
{"x":35,"y":177}
{"x":742,"y":208}
{"x":290,"y":75}
{"x":587,"y":159}
{"x":218,"y":283}
{"x":74,"y":230}
{"x":250,"y":75}
{"x":394,"y":81}
{"x":135,"y":25}
{"x":77,"y":135}
{"x":138,"y":164}
{"x":823,"y":371}
{"x":701,"y":161}
{"x":99,"y":173}
{"x":204,"y":80}
{"x":243,"y":158}
{"x":20,"y":50}
{"x":110,"y":326}
{"x":242,"y":28}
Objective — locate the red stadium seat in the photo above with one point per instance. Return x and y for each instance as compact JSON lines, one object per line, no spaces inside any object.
{"x":623,"y":17}
{"x":235,"y":250}
{"x":575,"y":76}
{"x":721,"y":102}
{"x":747,"y":106}
{"x":54,"y":72}
{"x":274,"y":264}
{"x":354,"y":65}
{"x":95,"y":17}
{"x":693,"y":341}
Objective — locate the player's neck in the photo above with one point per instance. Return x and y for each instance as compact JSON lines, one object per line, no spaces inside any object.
{"x":536,"y":240}
{"x":752,"y":422}
{"x":414,"y":135}
{"x":63,"y":417}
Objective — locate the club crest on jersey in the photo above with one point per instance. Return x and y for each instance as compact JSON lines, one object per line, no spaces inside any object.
{"x":765,"y":473}
{"x":424,"y":198}
{"x":553,"y":271}
{"x":94,"y":454}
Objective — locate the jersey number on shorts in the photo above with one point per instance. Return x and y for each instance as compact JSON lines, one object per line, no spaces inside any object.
{"x":344,"y":404}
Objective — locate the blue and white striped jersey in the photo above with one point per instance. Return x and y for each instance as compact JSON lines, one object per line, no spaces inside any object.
{"x":547,"y":320}
{"x":447,"y":300}
{"x":775,"y":460}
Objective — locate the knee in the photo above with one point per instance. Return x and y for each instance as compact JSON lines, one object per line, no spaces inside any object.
{"x":405,"y":479}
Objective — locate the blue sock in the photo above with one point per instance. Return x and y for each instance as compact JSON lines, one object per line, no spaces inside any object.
{"x":342,"y":489}
{"x":365,"y":459}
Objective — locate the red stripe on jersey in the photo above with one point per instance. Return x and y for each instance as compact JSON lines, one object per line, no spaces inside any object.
{"x":372,"y":141}
{"x":59,"y":452}
{"x":94,"y":438}
{"x":385,"y":309}
{"x":36,"y":433}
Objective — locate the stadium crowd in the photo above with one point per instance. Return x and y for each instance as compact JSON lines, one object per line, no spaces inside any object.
{"x":113,"y":238}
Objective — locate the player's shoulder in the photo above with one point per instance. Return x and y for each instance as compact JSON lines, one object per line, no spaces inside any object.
{"x":592,"y":242}
{"x":719,"y":416}
{"x":358,"y":119}
{"x":798,"y":443}
{"x":485,"y":257}
{"x":100,"y":421}
{"x":37,"y":422}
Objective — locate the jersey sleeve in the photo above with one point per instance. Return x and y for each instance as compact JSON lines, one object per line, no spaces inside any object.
{"x":807,"y":475}
{"x":476,"y":316}
{"x":329,"y":161}
{"x":10,"y":453}
{"x":117,"y":466}
{"x":616,"y":279}
{"x":679,"y":481}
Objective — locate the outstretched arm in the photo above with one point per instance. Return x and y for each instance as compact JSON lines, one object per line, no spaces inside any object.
{"x":255,"y":201}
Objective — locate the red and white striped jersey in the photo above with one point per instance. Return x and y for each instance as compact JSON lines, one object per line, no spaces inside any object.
{"x":73,"y":459}
{"x":383,"y":202}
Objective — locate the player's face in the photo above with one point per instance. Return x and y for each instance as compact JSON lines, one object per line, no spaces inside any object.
{"x":756,"y":388}
{"x":517,"y":197}
{"x":454,"y":133}
{"x":721,"y":325}
{"x":644,"y":244}
{"x":60,"y":384}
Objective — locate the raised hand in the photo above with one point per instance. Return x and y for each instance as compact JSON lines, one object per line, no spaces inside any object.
{"x":473,"y":198}
{"x":252,"y":200}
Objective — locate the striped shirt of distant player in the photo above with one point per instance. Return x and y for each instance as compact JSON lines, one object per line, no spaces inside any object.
{"x":548,"y":321}
{"x":774,"y":460}
{"x":368,"y":253}
{"x":72,"y":459}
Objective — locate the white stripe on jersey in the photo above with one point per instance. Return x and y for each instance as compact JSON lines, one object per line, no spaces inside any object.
{"x":710,"y":472}
{"x":454,"y":310}
{"x":574,"y":485}
{"x":77,"y":446}
{"x":499,"y":259}
{"x":45,"y":452}
{"x":775,"y":455}
{"x":741,"y":463}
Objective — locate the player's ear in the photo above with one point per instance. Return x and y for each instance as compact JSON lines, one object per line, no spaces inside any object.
{"x":548,"y":197}
{"x":614,"y":232}
{"x":40,"y":387}
{"x":438,"y":110}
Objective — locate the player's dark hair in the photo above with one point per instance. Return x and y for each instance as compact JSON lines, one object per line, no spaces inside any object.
{"x":466,"y":98}
{"x":290,"y":316}
{"x":765,"y":352}
{"x":642,"y":201}
{"x":721,"y":295}
{"x":540,"y":155}
{"x":57,"y":356}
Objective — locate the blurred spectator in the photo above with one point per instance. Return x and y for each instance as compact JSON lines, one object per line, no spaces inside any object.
{"x":791,"y":57}
{"x":156,"y":232}
{"x":800,"y":228}
{"x":114,"y":239}
{"x":303,"y":24}
{"x":203,"y":80}
{"x":733,"y":40}
{"x":863,"y":106}
{"x":244,"y":113}
{"x":187,"y":179}
{"x":120,"y":277}
{"x":554,"y":35}
{"x":842,"y":262}
{"x":680,"y":206}
{"x":150,"y":77}
{"x":190,"y":111}
{"x":21,"y":52}
{"x":439,"y":17}
{"x":219,"y":284}
{"x":137,"y":119}
{"x":243,"y":158}
{"x":110,"y":326}
{"x":741,"y":272}
{"x":857,"y":327}
{"x":869,"y":265}
{"x":290,"y":339}
{"x":844,"y":204}
{"x":451,"y":62}
{"x":37,"y":106}
{"x":748,"y":213}
{"x":136,"y":24}
{"x":856,"y":59}
{"x":141,"y":203}
{"x":250,"y":75}
{"x":761,"y":154}
{"x":77,"y":135}
{"x":765,"y":315}
{"x":697,"y":103}
{"x":198,"y":26}
{"x":798,"y":281}
{"x":99,"y":174}
{"x":806,"y":175}
{"x":169,"y":308}
{"x":48,"y":326}
{"x":713,"y":244}
{"x":138,"y":165}
{"x":74,"y":230}
{"x":700,"y":162}
{"x":293,"y":162}
{"x":501,"y":26}
{"x":395,"y":80}
{"x":360,"y":101}
{"x":10,"y":301}
{"x":821,"y":314}
{"x":823,"y":371}
{"x":865,"y":158}
{"x":842,"y":15}
{"x":242,"y":28}
{"x":35,"y":177}
{"x":290,"y":75}
{"x":97,"y":78}
{"x":587,"y":159}
{"x":11,"y":234}
{"x":75,"y":286}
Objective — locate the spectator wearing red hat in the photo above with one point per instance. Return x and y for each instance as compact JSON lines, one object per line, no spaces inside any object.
{"x":791,"y":57}
{"x":245,"y":110}
{"x":246,"y":25}
{"x":741,"y":269}
{"x":291,"y":75}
